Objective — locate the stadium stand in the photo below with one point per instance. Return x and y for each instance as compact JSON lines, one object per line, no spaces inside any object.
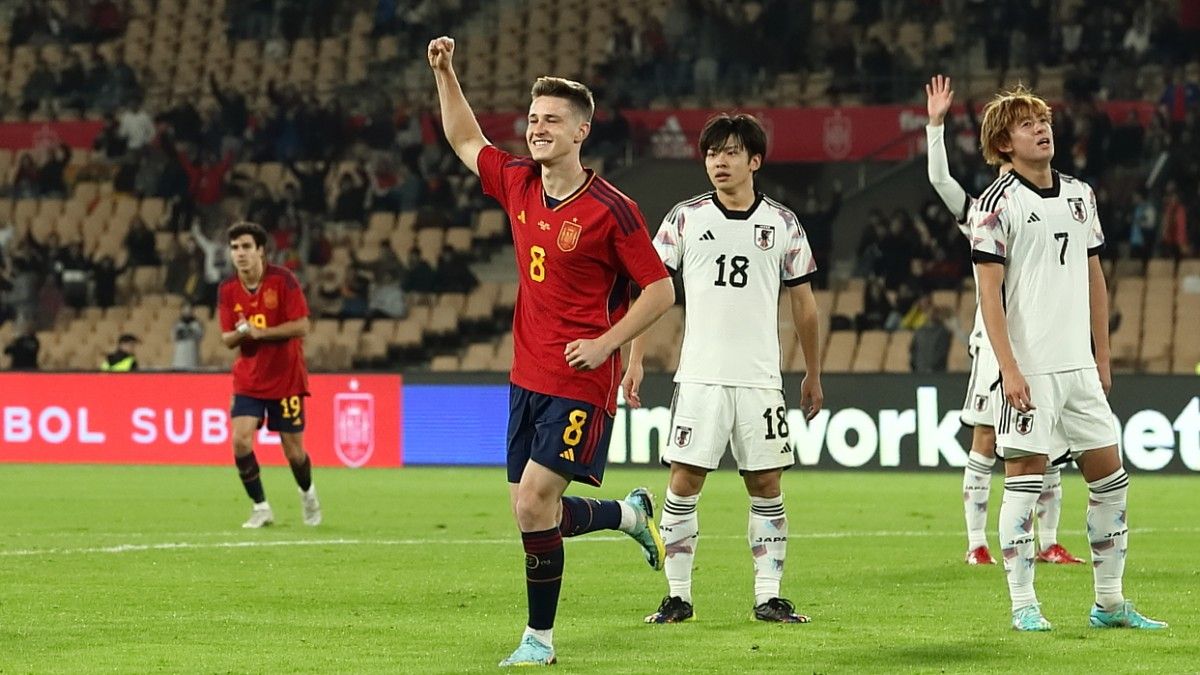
{"x":314,"y":124}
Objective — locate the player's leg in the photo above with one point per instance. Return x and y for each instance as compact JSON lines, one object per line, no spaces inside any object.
{"x":550,"y":441}
{"x":680,"y":529}
{"x":761,"y":447}
{"x":767,"y":533}
{"x":701,"y":422}
{"x":538,"y":496}
{"x":977,"y":488}
{"x":977,"y":475}
{"x":1024,"y":440}
{"x":572,"y":439}
{"x":1087,"y":421}
{"x":1049,"y":512}
{"x":245,"y":417}
{"x":1022,"y":485}
{"x":287,"y":417}
{"x":543,"y":547}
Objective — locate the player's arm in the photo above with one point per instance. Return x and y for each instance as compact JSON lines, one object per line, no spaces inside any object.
{"x":458,"y":121}
{"x":1098,"y":299}
{"x":656,"y":298}
{"x":991,"y":305}
{"x":635,"y":372}
{"x":234,"y":329}
{"x":807,"y":322}
{"x":939,"y":96}
{"x":233,"y":338}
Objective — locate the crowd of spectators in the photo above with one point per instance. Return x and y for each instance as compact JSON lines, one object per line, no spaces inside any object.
{"x":342,"y":162}
{"x":882,"y":50}
{"x":1147,"y":181}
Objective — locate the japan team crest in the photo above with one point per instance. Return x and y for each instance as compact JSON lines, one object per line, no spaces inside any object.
{"x":764,"y":236}
{"x":354,"y":427}
{"x":1078,"y":210}
{"x":981,"y":403}
{"x":568,"y":236}
{"x":1024,"y":423}
{"x":270,"y":298}
{"x":683,"y":436}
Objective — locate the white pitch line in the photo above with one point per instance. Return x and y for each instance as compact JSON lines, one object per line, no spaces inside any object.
{"x":176,"y":546}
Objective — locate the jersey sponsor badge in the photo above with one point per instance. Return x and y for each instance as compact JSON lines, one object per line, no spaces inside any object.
{"x":981,"y":403}
{"x":764,"y":236}
{"x":354,"y":426}
{"x":568,"y":236}
{"x":1078,"y":211}
{"x":683,"y":436}
{"x":270,"y":298}
{"x":1024,"y":423}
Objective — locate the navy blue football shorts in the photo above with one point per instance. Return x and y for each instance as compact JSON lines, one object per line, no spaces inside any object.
{"x":564,"y":435}
{"x":285,"y":415}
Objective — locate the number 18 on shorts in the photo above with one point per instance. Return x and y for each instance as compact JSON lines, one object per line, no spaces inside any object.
{"x":706,"y":417}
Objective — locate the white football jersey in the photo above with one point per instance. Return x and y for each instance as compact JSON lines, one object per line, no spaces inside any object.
{"x":1044,"y":238}
{"x":733,"y":263}
{"x":979,"y":337}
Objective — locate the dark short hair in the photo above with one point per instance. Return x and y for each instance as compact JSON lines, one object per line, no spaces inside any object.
{"x":255,"y":230}
{"x":577,"y":94}
{"x":746,"y":128}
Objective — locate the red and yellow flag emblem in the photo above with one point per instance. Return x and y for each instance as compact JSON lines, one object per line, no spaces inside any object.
{"x":568,"y":236}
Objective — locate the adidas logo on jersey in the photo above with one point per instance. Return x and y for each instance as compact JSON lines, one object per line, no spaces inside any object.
{"x":707,"y":236}
{"x":1033,"y":218}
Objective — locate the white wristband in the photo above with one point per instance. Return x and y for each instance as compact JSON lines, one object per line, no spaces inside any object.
{"x":243,"y":328}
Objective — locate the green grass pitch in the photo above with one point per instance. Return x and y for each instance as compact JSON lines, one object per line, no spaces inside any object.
{"x":145,"y":569}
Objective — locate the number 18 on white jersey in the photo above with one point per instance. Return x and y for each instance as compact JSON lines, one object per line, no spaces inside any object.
{"x":733,"y":263}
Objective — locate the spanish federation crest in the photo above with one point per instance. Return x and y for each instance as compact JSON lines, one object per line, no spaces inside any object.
{"x":1078,"y":210}
{"x":354,"y":427}
{"x":568,"y":236}
{"x":270,"y":298}
{"x":764,"y":236}
{"x":683,"y":436}
{"x":1024,"y":423}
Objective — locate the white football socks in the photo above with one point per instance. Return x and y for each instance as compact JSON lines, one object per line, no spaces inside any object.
{"x":1109,"y":534}
{"x":977,"y":486}
{"x":767,"y":533}
{"x":1016,"y":536}
{"x":680,"y":529}
{"x":1049,"y":508}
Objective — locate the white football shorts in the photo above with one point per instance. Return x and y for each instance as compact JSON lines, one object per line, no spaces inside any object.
{"x":1070,"y":410}
{"x":705,"y":418}
{"x":985,"y":374}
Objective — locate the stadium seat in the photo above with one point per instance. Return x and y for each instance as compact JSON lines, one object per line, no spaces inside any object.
{"x":444,"y":363}
{"x":491,"y":223}
{"x":443,"y":323}
{"x":946,"y":298}
{"x":839,"y":354}
{"x":459,"y":239}
{"x":478,"y":356}
{"x":1160,"y":268}
{"x":896,"y":360}
{"x":372,"y":350}
{"x":872,"y":347}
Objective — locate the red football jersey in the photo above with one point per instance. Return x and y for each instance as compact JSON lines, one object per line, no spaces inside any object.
{"x":575,"y":262}
{"x":270,"y":369}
